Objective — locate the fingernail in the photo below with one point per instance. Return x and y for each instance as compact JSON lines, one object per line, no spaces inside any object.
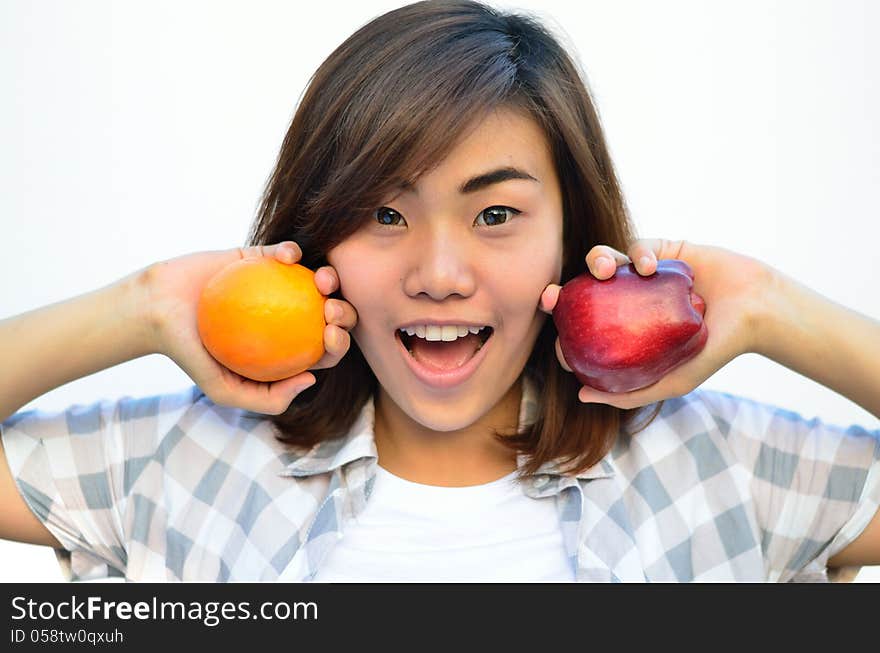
{"x":645,"y":261}
{"x":600,"y":261}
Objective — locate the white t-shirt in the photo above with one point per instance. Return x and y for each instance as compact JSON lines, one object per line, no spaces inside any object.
{"x":410,"y":532}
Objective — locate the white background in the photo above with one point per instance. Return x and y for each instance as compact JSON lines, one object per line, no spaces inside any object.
{"x":132,"y":132}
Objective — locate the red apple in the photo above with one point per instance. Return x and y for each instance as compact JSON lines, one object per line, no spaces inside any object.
{"x":628,"y":331}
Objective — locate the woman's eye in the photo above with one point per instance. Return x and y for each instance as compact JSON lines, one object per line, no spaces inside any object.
{"x":494,"y":215}
{"x":386,"y":216}
{"x":497,"y":214}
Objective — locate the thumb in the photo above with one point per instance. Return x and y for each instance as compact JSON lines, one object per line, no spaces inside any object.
{"x":282,"y":393}
{"x":549,"y":298}
{"x":287,"y":251}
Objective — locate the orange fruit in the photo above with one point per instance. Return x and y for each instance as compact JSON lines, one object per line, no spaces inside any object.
{"x":262,"y":318}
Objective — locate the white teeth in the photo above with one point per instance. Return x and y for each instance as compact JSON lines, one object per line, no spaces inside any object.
{"x":436,"y":333}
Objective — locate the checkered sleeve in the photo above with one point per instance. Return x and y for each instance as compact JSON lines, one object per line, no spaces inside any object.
{"x":73,"y":469}
{"x":815,"y":486}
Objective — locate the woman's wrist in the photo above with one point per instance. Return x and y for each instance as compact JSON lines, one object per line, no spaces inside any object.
{"x":769,"y":312}
{"x":761,"y":306}
{"x":136,"y":301}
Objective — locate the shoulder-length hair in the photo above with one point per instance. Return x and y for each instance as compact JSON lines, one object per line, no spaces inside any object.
{"x":379,"y":111}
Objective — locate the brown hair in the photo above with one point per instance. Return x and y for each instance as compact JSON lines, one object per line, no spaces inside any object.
{"x":389,"y":101}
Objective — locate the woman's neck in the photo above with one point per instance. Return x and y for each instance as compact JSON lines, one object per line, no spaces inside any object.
{"x":469,"y":456}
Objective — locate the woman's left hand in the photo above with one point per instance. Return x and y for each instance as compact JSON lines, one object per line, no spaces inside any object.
{"x":735,"y":288}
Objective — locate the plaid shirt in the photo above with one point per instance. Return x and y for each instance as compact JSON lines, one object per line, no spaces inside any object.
{"x":175,"y":487}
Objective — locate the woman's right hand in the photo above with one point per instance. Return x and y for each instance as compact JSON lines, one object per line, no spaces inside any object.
{"x":174,"y":287}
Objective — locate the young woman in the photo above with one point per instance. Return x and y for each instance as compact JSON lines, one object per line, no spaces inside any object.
{"x":446,"y":168}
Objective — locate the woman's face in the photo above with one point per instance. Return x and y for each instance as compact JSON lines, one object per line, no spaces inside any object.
{"x":434,"y":253}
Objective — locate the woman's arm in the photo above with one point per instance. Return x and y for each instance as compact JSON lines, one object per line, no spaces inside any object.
{"x":56,"y":344}
{"x":822,"y":340}
{"x":53,"y":345}
{"x":752,"y":307}
{"x":153,"y":310}
{"x":834,"y":346}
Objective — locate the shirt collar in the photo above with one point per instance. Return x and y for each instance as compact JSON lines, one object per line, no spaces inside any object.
{"x":360,"y":442}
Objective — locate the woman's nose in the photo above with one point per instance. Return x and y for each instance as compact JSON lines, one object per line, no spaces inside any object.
{"x":442,"y":266}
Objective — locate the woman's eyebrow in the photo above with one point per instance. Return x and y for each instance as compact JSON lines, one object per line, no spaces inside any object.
{"x":494,"y":177}
{"x":483,"y":180}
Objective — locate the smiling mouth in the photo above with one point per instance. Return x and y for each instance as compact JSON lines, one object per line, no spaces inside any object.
{"x":480,"y":338}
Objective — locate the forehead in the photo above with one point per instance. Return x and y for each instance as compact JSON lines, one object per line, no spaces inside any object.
{"x":504,"y":139}
{"x":503,"y":130}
